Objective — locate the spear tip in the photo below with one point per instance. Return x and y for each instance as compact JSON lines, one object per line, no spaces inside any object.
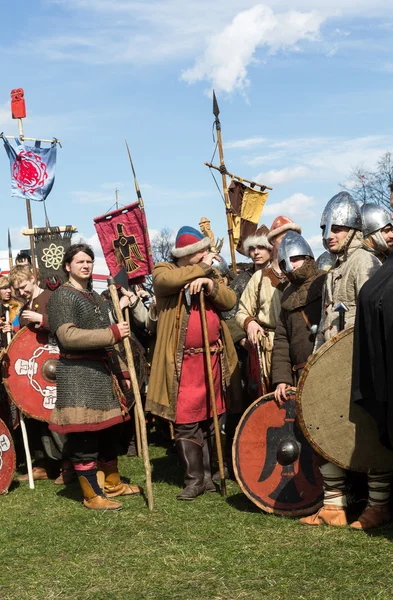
{"x":216,"y":110}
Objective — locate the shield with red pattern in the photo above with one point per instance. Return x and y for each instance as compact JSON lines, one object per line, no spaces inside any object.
{"x":7,"y":458}
{"x":274,"y":464}
{"x":29,"y":372}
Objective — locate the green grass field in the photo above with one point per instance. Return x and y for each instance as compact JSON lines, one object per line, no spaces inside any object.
{"x":53,"y":548}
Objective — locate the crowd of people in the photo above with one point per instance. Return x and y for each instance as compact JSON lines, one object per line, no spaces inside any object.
{"x":275,"y":313}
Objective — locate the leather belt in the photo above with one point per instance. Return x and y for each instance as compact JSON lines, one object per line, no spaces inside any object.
{"x":213,"y":350}
{"x":299,"y":366}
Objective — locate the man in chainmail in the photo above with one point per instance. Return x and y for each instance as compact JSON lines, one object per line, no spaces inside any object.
{"x":90,"y":402}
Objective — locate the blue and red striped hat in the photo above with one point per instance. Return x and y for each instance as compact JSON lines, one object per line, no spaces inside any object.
{"x":188,"y":241}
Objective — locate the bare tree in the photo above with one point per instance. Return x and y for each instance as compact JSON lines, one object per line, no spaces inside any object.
{"x":162,"y":244}
{"x":372,"y":186}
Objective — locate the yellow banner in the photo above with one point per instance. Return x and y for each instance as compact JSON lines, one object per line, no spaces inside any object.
{"x":252,"y":205}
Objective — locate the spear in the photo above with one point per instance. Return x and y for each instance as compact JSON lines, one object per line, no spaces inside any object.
{"x":11,"y":262}
{"x":223,"y":171}
{"x":137,"y":189}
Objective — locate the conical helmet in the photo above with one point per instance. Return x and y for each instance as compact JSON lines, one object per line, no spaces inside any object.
{"x":374,"y":218}
{"x":325,"y":261}
{"x":292,"y":244}
{"x":342,"y":210}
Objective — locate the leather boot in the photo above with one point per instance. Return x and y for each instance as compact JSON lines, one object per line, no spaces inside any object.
{"x":67,"y":473}
{"x":329,"y":514}
{"x":192,"y":457}
{"x":113,"y":486}
{"x":39,"y":473}
{"x":372,"y":517}
{"x":93,"y":501}
{"x":209,"y":485}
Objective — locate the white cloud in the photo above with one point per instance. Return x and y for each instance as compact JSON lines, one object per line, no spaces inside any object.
{"x":296,"y":206}
{"x":280,"y":176}
{"x":229,"y":53}
{"x":318,"y":159}
{"x":248,"y":143}
{"x":315,"y":242}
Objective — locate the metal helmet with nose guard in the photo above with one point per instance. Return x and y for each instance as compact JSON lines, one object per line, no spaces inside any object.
{"x":292,"y":244}
{"x":341,"y":210}
{"x":374,"y":218}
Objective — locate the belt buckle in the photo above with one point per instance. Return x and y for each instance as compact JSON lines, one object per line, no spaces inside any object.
{"x":191,"y":351}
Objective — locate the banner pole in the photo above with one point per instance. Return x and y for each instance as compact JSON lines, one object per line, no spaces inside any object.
{"x":28,"y":212}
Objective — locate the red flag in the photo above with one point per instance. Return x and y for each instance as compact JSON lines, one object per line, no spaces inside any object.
{"x":124,"y":239}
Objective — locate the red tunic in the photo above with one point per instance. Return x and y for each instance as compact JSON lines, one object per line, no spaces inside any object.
{"x":193,"y":400}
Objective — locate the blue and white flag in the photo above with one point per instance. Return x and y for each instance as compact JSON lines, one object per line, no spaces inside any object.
{"x":32,"y":169}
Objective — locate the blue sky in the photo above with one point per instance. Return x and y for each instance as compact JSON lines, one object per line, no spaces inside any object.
{"x":304,"y":89}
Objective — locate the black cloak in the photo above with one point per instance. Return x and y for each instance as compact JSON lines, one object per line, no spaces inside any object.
{"x":372,"y":371}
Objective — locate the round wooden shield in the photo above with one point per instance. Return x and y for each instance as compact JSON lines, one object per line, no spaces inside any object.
{"x":273,"y":463}
{"x":7,"y":458}
{"x":338,"y":429}
{"x":29,"y":372}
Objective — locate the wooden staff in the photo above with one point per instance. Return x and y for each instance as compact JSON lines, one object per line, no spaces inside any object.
{"x":10,"y":260}
{"x":261,"y":368}
{"x":212,"y":394}
{"x":22,"y":419}
{"x":61,"y":229}
{"x":136,"y":418}
{"x":241,"y":179}
{"x":137,"y":395}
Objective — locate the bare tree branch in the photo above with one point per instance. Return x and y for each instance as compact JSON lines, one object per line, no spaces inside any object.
{"x":372,"y":186}
{"x":162,"y":244}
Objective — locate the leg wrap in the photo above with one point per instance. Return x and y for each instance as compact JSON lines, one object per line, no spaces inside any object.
{"x":379,"y":488}
{"x":334,"y":484}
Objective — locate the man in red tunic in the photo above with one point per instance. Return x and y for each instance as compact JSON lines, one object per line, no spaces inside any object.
{"x":179,"y":388}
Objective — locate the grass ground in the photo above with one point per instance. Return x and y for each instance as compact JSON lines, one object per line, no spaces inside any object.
{"x":51,"y":547}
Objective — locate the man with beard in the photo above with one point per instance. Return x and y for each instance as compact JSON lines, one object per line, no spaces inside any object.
{"x":377,"y":230}
{"x":300,"y":312}
{"x":341,"y":226}
{"x":178,"y":388}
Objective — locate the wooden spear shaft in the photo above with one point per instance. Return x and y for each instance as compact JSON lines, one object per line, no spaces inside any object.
{"x":212,"y":394}
{"x":136,"y":392}
{"x":136,"y":418}
{"x":227,"y":203}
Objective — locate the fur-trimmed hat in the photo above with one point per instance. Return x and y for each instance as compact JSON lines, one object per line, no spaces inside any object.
{"x":258,"y":239}
{"x":281,"y":225}
{"x":188,"y":241}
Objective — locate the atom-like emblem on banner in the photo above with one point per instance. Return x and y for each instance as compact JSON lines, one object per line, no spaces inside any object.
{"x":29,"y":171}
{"x":52,"y":257}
